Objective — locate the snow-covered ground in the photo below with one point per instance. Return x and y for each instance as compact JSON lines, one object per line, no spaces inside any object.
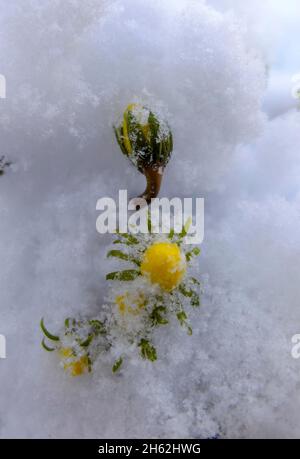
{"x":220,"y":71}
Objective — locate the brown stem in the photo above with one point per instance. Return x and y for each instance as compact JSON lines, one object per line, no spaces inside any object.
{"x":154,"y":175}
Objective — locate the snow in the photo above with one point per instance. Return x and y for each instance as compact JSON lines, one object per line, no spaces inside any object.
{"x":71,"y":69}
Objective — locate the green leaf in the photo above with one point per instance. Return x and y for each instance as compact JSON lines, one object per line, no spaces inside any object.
{"x":47,"y":333}
{"x":90,"y":364}
{"x":98,"y":327}
{"x":184,"y":291}
{"x":149,"y":223}
{"x":122,"y":256}
{"x":189,"y":293}
{"x":183,"y":233}
{"x":129,"y":239}
{"x":148,"y":351}
{"x":195,"y":300}
{"x":171,"y":142}
{"x":195,"y":252}
{"x":185,"y":228}
{"x":171,"y":234}
{"x":87,"y":341}
{"x":127,"y":275}
{"x":135,"y":133}
{"x":189,"y":330}
{"x":195,"y":281}
{"x":154,"y":129}
{"x":156,"y":316}
{"x":118,"y":254}
{"x":70,"y":325}
{"x":47,"y":348}
{"x":118,"y":134}
{"x":182,"y":318}
{"x":117,"y":365}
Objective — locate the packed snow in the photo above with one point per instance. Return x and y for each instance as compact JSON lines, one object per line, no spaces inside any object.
{"x":71,"y":69}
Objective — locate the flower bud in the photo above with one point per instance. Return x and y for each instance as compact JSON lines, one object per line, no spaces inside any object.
{"x":147,"y":141}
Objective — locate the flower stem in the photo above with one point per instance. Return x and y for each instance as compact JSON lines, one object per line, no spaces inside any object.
{"x":154,"y":175}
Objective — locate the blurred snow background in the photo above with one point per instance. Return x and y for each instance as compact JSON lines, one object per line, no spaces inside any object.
{"x":221,"y":72}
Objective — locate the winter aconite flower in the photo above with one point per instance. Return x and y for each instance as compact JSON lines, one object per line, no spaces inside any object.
{"x":78,"y":345}
{"x":130,"y":303}
{"x":152,"y":292}
{"x":76,"y":366}
{"x":147,"y":141}
{"x":164,"y":264}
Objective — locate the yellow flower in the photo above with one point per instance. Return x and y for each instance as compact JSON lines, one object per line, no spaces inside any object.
{"x":130,"y":303}
{"x":79,"y":367}
{"x":164,"y":264}
{"x":76,"y":366}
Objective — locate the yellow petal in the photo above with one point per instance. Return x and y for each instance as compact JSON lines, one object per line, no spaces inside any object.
{"x":125,"y":134}
{"x":78,"y":367}
{"x":130,"y":303}
{"x":65,"y":352}
{"x":164,"y":264}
